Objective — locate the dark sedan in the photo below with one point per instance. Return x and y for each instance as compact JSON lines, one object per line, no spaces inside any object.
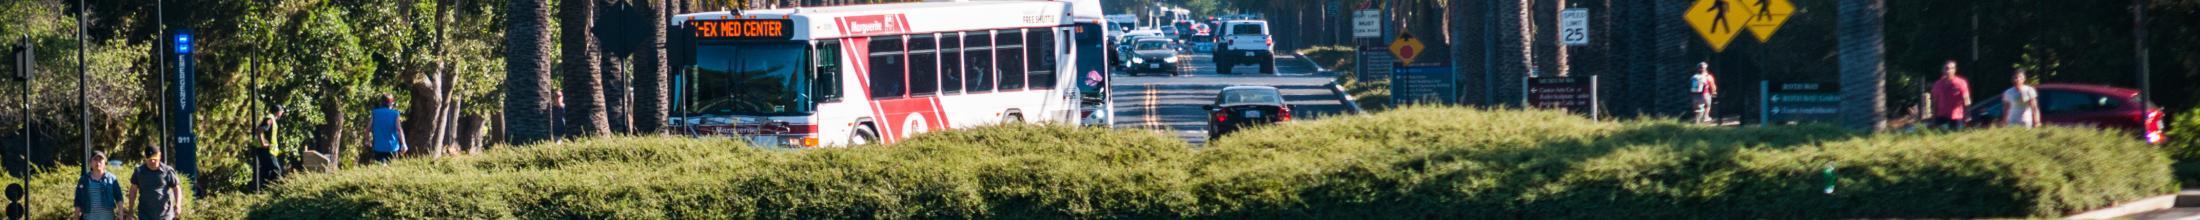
{"x":1153,"y":55}
{"x":1238,"y":107}
{"x":2082,"y":105}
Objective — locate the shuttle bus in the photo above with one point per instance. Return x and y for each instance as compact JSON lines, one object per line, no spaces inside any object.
{"x":861,"y":74}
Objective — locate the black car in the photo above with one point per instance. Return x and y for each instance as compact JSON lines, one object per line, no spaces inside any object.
{"x":1153,"y":55}
{"x":1239,"y":107}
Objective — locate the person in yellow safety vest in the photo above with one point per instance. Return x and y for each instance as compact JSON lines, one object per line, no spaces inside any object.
{"x":267,"y":165}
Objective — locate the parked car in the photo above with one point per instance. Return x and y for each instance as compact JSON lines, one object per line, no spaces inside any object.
{"x":2082,"y":105}
{"x":1245,"y":42}
{"x":1153,"y":56}
{"x":1239,"y":107}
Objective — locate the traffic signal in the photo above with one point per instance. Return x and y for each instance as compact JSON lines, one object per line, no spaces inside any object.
{"x":23,"y":60}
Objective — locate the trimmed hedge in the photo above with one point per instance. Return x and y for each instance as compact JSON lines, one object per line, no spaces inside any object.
{"x":1414,"y":162}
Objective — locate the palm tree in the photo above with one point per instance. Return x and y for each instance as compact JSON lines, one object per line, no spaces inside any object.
{"x":649,"y":73}
{"x":527,"y":71}
{"x":584,"y":102}
{"x":1862,"y":50}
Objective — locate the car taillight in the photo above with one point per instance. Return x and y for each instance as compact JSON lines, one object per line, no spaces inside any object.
{"x":1220,"y":117}
{"x":2154,"y":127}
{"x":1271,"y":42}
{"x":1286,"y":113}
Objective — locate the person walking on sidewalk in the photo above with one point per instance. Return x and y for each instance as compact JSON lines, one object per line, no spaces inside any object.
{"x":156,"y":188}
{"x":389,"y":137}
{"x":1704,"y":87}
{"x":2022,"y":103}
{"x":97,"y":192}
{"x":1950,"y":95}
{"x":267,"y":164}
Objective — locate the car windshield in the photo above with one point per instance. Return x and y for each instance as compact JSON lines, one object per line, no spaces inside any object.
{"x":1251,"y":96}
{"x":761,"y":79}
{"x":1246,"y":29}
{"x":1153,"y":45}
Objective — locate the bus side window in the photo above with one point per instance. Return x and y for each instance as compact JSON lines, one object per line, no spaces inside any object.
{"x":827,"y":83}
{"x":1041,"y":50}
{"x":978,"y":47}
{"x":1009,"y":45}
{"x":886,"y":61}
{"x":924,"y":60}
{"x":951,"y":62}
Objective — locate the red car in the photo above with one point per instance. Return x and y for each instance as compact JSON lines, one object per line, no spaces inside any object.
{"x":2082,"y":105}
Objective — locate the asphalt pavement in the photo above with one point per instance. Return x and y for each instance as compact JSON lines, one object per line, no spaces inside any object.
{"x":1171,"y":104}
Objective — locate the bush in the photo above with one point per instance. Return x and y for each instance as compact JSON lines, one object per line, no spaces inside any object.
{"x":1413,"y":162}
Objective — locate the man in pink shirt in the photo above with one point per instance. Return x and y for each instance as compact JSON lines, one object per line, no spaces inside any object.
{"x":1950,"y":95}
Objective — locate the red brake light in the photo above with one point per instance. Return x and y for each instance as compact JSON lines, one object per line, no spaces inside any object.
{"x":1286,"y":113}
{"x":1220,"y":117}
{"x":2154,"y":127}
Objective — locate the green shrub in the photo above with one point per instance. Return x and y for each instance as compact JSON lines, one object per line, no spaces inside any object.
{"x":1412,"y":162}
{"x":2182,"y":135}
{"x":52,"y":194}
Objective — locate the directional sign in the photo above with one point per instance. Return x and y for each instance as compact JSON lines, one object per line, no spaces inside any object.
{"x":1406,"y":48}
{"x":1766,"y":17}
{"x":1573,"y":26}
{"x":1367,"y":23}
{"x":1718,"y":21}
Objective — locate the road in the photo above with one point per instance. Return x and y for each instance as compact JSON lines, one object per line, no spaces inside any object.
{"x":1172,"y":103}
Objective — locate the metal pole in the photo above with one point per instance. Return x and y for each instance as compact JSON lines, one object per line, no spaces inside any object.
{"x":84,"y":109}
{"x":2139,"y":35}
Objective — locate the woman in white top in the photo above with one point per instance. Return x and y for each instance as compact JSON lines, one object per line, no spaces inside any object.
{"x":2021,"y":104}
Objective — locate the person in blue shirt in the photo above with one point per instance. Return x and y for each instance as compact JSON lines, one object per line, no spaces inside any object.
{"x":389,"y":138}
{"x":97,"y":191}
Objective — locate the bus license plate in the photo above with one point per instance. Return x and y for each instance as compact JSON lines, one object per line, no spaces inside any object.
{"x":1252,"y":114}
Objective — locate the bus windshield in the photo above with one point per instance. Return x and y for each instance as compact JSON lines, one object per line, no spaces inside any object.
{"x":752,"y":79}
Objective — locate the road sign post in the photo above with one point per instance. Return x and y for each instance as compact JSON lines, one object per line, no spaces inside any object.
{"x":1367,"y":24}
{"x":1573,"y":26}
{"x":1576,"y":94}
{"x":1406,"y":48}
{"x":1717,"y":21}
{"x":1766,"y":16}
{"x":1425,"y":84}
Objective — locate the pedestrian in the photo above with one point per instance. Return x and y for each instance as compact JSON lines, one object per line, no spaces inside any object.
{"x":156,"y":188}
{"x":1704,"y":87}
{"x":266,"y":159}
{"x":1950,"y":96}
{"x":2022,"y":103}
{"x":389,"y":138}
{"x":96,"y":191}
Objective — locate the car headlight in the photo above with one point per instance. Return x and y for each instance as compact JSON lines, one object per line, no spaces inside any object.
{"x":1170,"y":59}
{"x":1137,"y":60}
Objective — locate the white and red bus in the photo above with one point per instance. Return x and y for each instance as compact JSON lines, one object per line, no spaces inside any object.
{"x":847,"y":75}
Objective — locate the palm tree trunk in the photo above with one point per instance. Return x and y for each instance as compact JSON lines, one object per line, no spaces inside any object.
{"x":584,"y":113}
{"x":527,"y":71}
{"x":1860,"y":31}
{"x":650,"y":101}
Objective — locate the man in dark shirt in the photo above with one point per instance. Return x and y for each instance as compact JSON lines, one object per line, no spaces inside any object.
{"x":156,"y":188}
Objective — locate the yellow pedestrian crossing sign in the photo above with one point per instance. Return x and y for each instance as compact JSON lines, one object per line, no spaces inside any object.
{"x":1718,"y":21}
{"x":1766,"y":17}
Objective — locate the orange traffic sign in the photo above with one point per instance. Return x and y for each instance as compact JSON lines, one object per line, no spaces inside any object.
{"x":1766,"y":16}
{"x":1406,"y":48}
{"x":1717,"y":21}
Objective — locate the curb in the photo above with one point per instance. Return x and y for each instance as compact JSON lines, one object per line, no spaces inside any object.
{"x":2124,"y":209}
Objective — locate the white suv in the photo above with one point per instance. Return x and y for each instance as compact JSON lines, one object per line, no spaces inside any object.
{"x":1245,"y":42}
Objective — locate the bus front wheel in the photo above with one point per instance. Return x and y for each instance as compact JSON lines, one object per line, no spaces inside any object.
{"x":863,"y":135}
